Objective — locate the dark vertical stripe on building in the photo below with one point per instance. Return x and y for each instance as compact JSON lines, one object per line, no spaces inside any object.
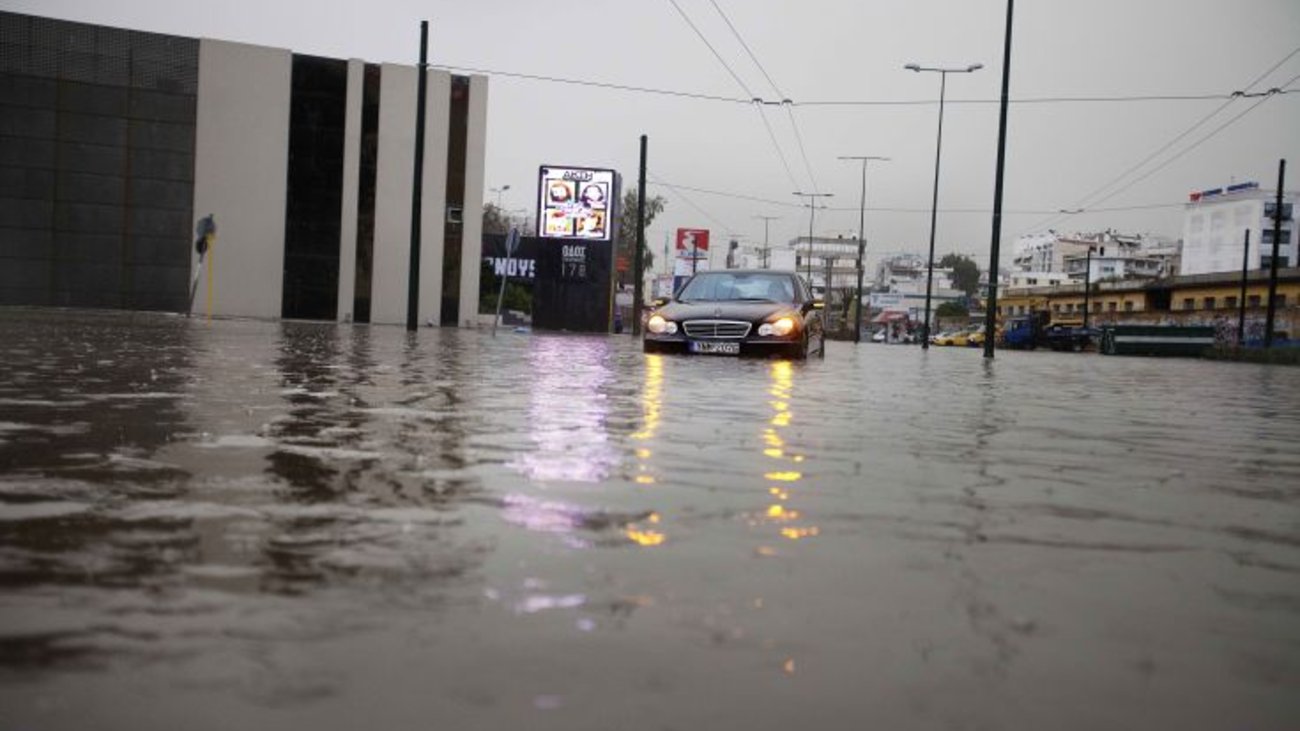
{"x":454,"y":227}
{"x":314,"y":189}
{"x":366,"y":193}
{"x":96,"y":165}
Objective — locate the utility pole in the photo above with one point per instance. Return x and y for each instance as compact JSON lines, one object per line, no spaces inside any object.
{"x":991,"y":306}
{"x":1087,"y":285}
{"x":766,"y":247}
{"x":862,"y":239}
{"x":1241,"y":305}
{"x":934,"y":203}
{"x":1272,"y":266}
{"x":638,"y":258}
{"x":812,"y":212}
{"x":417,"y":186}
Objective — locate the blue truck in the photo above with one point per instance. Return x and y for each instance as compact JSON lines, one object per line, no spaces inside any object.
{"x":1027,"y":332}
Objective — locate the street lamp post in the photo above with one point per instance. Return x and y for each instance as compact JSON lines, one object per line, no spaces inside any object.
{"x":812,"y":212}
{"x":862,"y":238}
{"x":1087,"y":283}
{"x":499,"y":191}
{"x":766,"y":247}
{"x":934,"y":203}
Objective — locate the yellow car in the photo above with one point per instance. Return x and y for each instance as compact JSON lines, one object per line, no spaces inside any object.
{"x":943,"y":338}
{"x":977,"y":338}
{"x":961,"y":339}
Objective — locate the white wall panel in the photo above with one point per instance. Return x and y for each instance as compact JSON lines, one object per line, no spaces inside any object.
{"x":472,"y":236}
{"x":240,"y":168}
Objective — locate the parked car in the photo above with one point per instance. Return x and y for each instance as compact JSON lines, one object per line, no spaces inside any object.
{"x":879,"y":336}
{"x":739,"y":311}
{"x":943,"y":338}
{"x":977,"y":337}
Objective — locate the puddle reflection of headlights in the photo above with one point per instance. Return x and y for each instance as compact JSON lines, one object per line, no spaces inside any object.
{"x":780,"y":328}
{"x":659,"y":326}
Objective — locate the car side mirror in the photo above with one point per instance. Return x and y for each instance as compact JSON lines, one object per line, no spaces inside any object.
{"x":659,"y":301}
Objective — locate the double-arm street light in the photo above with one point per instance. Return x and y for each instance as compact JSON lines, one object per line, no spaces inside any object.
{"x":812,"y":212}
{"x":767,"y":248}
{"x":934,"y":204}
{"x":862,"y":238}
{"x":499,"y":191}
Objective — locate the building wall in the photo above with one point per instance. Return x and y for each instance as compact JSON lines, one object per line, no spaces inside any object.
{"x":393,"y":190}
{"x":1214,"y":233}
{"x":351,"y":192}
{"x":434,"y":200}
{"x":472,"y":241}
{"x":97,"y":130}
{"x":114,"y":142}
{"x":241,"y":165}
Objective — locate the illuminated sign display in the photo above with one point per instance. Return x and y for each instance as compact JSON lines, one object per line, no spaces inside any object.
{"x":576,"y":203}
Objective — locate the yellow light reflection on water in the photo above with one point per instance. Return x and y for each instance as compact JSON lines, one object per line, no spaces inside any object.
{"x":645,"y":537}
{"x":783,"y":476}
{"x":796,"y":534}
{"x":651,"y":415}
{"x":781,"y":390}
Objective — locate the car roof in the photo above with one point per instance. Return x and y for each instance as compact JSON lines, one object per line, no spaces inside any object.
{"x":746,"y":271}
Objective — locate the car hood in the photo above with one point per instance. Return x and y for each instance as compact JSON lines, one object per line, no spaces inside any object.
{"x":749,"y":311}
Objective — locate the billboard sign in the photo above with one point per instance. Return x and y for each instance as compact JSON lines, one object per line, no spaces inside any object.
{"x":575,"y":203}
{"x":692,"y":239}
{"x":888,"y":301}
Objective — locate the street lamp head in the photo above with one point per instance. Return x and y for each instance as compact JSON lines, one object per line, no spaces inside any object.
{"x":975,"y":67}
{"x":913,"y":67}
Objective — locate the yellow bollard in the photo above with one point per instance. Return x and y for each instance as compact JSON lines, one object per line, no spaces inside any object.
{"x":211,"y":239}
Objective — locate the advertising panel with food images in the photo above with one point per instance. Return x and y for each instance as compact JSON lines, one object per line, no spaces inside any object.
{"x":576,"y":203}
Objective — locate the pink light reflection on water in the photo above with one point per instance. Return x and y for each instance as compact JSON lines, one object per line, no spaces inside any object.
{"x":568,"y":410}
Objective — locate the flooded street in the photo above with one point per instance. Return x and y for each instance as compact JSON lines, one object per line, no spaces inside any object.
{"x":243,"y":524}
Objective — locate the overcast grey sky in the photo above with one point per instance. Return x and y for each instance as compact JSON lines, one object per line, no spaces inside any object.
{"x":833,"y":50}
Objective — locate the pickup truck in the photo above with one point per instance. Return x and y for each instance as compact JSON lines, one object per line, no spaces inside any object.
{"x":1028,"y":332}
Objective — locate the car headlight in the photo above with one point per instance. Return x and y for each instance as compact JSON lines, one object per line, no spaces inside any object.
{"x":659,"y":326}
{"x":780,"y":327}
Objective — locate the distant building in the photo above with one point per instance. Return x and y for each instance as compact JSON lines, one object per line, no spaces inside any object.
{"x":823,"y":256}
{"x":907,"y":273}
{"x":1216,"y":222}
{"x":1037,"y":279}
{"x":1114,"y":255}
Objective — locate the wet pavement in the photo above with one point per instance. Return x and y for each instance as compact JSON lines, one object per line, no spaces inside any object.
{"x":303,"y":526}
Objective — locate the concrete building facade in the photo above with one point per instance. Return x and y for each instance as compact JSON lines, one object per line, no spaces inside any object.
{"x":1216,"y":222}
{"x":113,"y":143}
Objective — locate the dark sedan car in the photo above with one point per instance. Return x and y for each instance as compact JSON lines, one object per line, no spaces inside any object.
{"x":739,"y":311}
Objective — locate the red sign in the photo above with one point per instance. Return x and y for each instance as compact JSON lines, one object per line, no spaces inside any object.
{"x":689,"y":239}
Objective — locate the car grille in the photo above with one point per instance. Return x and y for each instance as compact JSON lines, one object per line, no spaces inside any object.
{"x":726,"y":329}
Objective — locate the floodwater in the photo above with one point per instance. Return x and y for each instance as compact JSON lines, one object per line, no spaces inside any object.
{"x":232,"y":524}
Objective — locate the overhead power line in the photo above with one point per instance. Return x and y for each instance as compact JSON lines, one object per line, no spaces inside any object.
{"x":1089,"y":199}
{"x":719,"y":98}
{"x":716,"y":55}
{"x":687,"y":200}
{"x":785,"y":101}
{"x":754,"y":99}
{"x":895,"y":209}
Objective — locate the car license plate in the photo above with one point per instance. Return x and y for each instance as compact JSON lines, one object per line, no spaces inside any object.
{"x":708,"y":346}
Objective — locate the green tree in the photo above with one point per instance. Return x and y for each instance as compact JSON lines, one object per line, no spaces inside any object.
{"x":626,"y":247}
{"x":965,"y":273}
{"x":951,"y":310}
{"x":495,"y":221}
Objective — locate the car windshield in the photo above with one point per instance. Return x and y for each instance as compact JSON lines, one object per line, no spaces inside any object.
{"x":736,"y":287}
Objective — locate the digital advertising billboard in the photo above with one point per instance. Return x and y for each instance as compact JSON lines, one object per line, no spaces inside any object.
{"x":576,"y":203}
